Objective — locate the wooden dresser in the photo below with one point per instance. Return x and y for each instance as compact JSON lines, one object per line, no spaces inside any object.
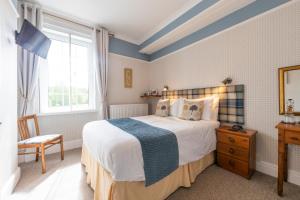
{"x":236,"y":150}
{"x":287,"y":134}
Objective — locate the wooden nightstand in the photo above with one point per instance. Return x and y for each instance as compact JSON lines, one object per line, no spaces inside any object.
{"x":236,"y":150}
{"x":287,"y":134}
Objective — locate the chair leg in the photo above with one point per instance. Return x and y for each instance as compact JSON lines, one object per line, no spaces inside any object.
{"x":62,"y":148}
{"x":43,"y":159}
{"x":37,"y":149}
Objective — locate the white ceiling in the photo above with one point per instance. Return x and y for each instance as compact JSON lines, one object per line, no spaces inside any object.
{"x":215,"y":12}
{"x":132,"y":20}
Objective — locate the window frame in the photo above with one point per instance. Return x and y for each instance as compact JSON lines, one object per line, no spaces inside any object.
{"x":44,"y":108}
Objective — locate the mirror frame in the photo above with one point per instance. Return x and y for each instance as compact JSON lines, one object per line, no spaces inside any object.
{"x":281,"y":81}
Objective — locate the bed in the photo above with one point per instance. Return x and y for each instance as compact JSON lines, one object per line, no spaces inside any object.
{"x":118,"y":155}
{"x":113,"y":158}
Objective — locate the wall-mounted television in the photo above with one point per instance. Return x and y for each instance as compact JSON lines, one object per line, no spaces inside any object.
{"x":33,"y":40}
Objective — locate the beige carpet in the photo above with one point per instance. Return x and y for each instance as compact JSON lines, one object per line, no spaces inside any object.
{"x":65,"y":180}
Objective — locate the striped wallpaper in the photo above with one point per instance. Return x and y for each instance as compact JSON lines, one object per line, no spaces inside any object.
{"x":250,"y":53}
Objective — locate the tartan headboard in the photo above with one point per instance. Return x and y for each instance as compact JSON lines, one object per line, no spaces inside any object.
{"x":231,"y":106}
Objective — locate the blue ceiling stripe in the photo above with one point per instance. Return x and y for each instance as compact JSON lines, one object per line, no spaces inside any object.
{"x":125,"y":48}
{"x":238,"y":16}
{"x":198,"y":8}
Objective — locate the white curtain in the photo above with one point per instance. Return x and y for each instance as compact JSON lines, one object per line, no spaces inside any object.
{"x":101,"y":38}
{"x":28,"y":64}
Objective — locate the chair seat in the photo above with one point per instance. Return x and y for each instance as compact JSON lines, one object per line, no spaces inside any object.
{"x":40,"y":139}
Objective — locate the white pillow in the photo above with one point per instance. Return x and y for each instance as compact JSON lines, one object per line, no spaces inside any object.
{"x":215,"y":108}
{"x":192,"y":110}
{"x":162,"y":108}
{"x":211,"y":108}
{"x":175,"y":105}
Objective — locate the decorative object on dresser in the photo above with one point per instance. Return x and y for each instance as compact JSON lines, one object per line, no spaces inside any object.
{"x":38,"y":142}
{"x":287,"y":134}
{"x":236,"y":150}
{"x":289,"y":117}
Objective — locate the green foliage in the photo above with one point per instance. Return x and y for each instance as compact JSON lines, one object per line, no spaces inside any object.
{"x":60,"y":96}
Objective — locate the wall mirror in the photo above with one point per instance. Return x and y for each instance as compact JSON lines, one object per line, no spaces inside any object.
{"x":289,"y":88}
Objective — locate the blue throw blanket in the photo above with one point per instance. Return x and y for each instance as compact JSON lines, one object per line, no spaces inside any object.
{"x":159,"y":148}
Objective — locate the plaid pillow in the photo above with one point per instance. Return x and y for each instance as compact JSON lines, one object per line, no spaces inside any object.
{"x":162,"y":108}
{"x":192,"y":110}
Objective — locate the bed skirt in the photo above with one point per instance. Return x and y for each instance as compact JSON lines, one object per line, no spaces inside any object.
{"x":105,"y":188}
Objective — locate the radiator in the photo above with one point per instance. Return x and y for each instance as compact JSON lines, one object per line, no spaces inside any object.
{"x":127,"y":110}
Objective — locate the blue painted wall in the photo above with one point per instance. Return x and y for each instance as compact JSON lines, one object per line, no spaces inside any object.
{"x":125,"y":48}
{"x":194,"y":11}
{"x":239,"y":16}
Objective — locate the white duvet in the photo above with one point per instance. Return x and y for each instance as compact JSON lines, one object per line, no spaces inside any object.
{"x":121,"y":155}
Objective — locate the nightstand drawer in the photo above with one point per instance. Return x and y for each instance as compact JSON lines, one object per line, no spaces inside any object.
{"x":235,"y":152}
{"x":292,"y":137}
{"x":233,"y":139}
{"x":233,"y":165}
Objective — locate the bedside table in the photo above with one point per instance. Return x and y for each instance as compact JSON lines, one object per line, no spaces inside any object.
{"x":236,"y":150}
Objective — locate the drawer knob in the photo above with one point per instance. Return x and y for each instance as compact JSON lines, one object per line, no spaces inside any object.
{"x":231,"y":139}
{"x":231,"y":150}
{"x":231,"y":163}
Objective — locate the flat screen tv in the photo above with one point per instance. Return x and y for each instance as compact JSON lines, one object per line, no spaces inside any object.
{"x":33,"y":40}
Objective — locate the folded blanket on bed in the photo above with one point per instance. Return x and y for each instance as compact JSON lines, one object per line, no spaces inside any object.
{"x":159,"y":148}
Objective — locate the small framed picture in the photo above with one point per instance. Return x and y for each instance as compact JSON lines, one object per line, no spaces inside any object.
{"x":128,"y":78}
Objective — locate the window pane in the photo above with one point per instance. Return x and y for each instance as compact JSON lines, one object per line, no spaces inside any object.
{"x":59,"y":75}
{"x":67,"y":82}
{"x":80,"y":73}
{"x":51,"y":33}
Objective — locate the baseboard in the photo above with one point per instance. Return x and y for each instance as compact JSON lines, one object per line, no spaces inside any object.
{"x":68,"y":145}
{"x":10,"y":184}
{"x":272,"y":170}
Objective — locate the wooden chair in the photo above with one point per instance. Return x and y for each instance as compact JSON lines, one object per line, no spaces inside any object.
{"x":38,"y":142}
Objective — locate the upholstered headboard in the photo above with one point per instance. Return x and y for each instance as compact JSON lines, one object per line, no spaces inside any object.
{"x":231,"y":106}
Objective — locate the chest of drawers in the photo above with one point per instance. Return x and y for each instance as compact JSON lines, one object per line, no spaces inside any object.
{"x":236,"y":150}
{"x":287,"y":134}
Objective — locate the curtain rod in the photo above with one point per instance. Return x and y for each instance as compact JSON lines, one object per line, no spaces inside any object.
{"x":81,"y":24}
{"x":53,"y":15}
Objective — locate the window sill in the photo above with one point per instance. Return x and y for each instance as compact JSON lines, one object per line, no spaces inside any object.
{"x":67,"y":113}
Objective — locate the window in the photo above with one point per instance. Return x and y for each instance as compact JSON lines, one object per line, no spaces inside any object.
{"x":67,"y":81}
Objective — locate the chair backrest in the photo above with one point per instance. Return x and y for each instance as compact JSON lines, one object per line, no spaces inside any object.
{"x":23,"y":126}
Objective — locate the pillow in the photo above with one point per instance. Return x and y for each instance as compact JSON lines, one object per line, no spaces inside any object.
{"x":162,"y":108}
{"x":211,"y":107}
{"x":175,"y":105}
{"x":191,"y":110}
{"x":215,"y":108}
